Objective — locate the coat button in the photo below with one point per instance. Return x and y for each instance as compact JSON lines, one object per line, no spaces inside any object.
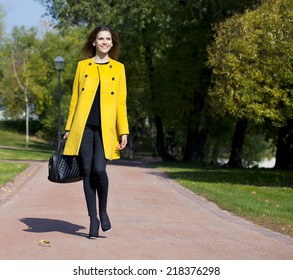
{"x":110,"y":66}
{"x":82,"y":89}
{"x":112,"y":92}
{"x":90,"y":63}
{"x":113,"y":79}
{"x":85,"y":76}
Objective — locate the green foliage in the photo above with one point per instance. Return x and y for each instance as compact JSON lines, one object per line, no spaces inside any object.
{"x":259,"y":144}
{"x":16,"y":81}
{"x":34,"y":65}
{"x":251,"y":61}
{"x":19,"y":125}
{"x":46,"y":84}
{"x":164,"y":48}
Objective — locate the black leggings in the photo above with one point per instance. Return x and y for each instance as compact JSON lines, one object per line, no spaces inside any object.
{"x":95,"y":180}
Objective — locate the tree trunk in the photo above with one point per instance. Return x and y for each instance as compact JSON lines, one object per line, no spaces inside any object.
{"x":27,"y":113}
{"x":236,"y":156}
{"x":160,"y":141}
{"x":130,"y":144}
{"x":27,"y":117}
{"x":284,"y":154}
{"x":195,"y":142}
{"x":25,"y":90}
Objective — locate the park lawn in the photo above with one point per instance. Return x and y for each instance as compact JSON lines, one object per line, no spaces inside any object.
{"x":8,"y":170}
{"x":38,"y":149}
{"x":25,"y":154}
{"x":263,"y":196}
{"x":14,"y":150}
{"x":15,"y":139}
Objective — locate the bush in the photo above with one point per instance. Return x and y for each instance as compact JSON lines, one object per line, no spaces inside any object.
{"x":19,"y":126}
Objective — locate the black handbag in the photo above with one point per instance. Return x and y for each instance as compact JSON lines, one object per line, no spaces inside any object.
{"x":63,"y":168}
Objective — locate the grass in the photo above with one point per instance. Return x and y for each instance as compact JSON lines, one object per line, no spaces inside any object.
{"x":263,"y":196}
{"x":30,"y":154}
{"x":37,"y":150}
{"x":9,"y":170}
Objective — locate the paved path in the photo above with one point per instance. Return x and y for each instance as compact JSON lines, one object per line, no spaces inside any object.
{"x":152,"y":218}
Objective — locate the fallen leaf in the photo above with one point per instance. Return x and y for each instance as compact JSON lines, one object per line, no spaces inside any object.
{"x":44,"y":243}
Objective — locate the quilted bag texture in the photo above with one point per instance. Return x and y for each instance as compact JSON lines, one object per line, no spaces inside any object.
{"x":64,"y":169}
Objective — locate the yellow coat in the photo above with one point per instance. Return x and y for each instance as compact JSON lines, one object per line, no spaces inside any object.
{"x":113,"y":105}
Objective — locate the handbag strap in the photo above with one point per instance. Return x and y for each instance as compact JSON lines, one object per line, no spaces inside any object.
{"x":61,"y":146}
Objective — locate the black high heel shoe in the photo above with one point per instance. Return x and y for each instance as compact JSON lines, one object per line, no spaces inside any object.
{"x":105,"y":221}
{"x":94,"y":228}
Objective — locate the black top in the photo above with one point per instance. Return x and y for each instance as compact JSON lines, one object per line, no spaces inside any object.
{"x":94,"y":117}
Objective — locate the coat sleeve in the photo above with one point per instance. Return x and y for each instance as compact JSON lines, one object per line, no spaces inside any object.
{"x":122,"y":122}
{"x":74,"y":99}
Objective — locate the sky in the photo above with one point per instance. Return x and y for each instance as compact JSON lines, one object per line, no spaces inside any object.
{"x":22,"y":12}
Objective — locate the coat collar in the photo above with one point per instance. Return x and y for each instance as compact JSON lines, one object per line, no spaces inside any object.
{"x":92,"y":68}
{"x":91,"y":62}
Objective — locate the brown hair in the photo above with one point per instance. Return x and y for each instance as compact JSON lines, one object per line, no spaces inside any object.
{"x":89,"y":50}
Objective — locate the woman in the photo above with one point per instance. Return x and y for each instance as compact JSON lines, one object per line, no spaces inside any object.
{"x":97,"y":125}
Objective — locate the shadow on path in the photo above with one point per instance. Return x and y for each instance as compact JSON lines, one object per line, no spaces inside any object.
{"x":144,"y":163}
{"x":48,"y":225}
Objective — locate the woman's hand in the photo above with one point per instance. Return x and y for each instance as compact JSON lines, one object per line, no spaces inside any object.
{"x":65,"y":136}
{"x":123,"y":142}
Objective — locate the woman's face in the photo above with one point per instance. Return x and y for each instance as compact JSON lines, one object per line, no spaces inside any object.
{"x":103,"y":42}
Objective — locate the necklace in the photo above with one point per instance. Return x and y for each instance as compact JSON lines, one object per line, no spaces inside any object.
{"x":99,"y":60}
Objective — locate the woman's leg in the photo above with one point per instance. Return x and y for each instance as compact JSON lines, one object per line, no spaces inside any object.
{"x":90,"y":190}
{"x":86,"y":153}
{"x":102,"y":182}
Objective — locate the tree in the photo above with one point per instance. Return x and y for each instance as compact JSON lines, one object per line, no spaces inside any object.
{"x":138,"y":21}
{"x":45,"y":77}
{"x":252,"y":77}
{"x":186,"y":73}
{"x":164,"y":47}
{"x":18,"y":95}
{"x":1,"y":42}
{"x":29,"y":82}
